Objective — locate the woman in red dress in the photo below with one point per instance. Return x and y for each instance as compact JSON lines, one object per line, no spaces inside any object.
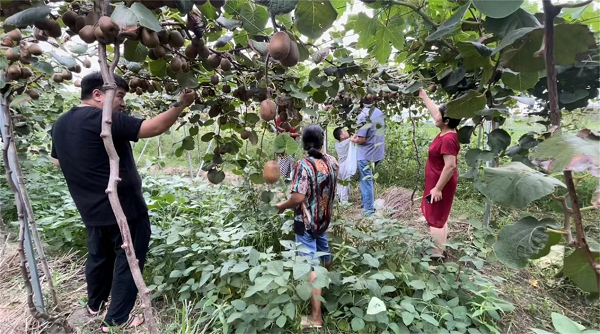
{"x":441,"y":174}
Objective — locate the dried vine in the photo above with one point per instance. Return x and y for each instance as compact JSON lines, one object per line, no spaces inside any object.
{"x":414,"y":142}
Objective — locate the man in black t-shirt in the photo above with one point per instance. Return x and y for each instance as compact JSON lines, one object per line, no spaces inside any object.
{"x":78,"y":150}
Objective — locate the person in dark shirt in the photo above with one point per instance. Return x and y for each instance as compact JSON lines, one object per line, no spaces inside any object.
{"x":78,"y":150}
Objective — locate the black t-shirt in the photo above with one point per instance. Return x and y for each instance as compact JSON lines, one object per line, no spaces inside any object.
{"x":77,"y":145}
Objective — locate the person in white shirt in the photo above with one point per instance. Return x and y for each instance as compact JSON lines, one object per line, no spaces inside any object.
{"x":342,"y":148}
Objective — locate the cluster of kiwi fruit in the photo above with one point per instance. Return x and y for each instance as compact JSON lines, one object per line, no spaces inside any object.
{"x":92,"y":27}
{"x":141,"y":86}
{"x":283,"y":49}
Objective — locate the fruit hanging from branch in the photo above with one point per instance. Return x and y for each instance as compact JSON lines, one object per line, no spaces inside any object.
{"x":271,"y":172}
{"x":268,"y":110}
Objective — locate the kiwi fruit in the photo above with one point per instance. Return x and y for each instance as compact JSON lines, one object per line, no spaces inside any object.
{"x":87,"y":63}
{"x":205,"y":92}
{"x":38,"y":34}
{"x":176,"y":64}
{"x":92,"y":18}
{"x":57,"y":77}
{"x":26,"y":73}
{"x":433,"y":88}
{"x":77,"y":83}
{"x":87,"y":34}
{"x":15,"y":35}
{"x":175,"y":39}
{"x":163,"y":37}
{"x":80,"y":23}
{"x":101,"y":38}
{"x":223,"y":120}
{"x":150,"y":89}
{"x":217,"y":3}
{"x":214,"y":79}
{"x":14,"y":72}
{"x":139,"y":91}
{"x":292,"y":57}
{"x":135,"y":82}
{"x":268,"y":110}
{"x":204,"y":52}
{"x":144,"y":84}
{"x":214,"y":111}
{"x":35,"y":49}
{"x":53,"y":29}
{"x":271,"y":172}
{"x":159,"y":51}
{"x":225,"y":64}
{"x":245,"y":134}
{"x":69,"y":18}
{"x":169,"y":87}
{"x":214,"y":61}
{"x":11,"y":55}
{"x":76,"y":68}
{"x":149,"y":38}
{"x":279,"y":46}
{"x":108,"y":27}
{"x":33,"y":94}
{"x":185,"y":67}
{"x":226,"y":89}
{"x":191,"y":51}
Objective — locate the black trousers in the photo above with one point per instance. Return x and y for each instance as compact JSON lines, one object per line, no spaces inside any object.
{"x":107,"y":271}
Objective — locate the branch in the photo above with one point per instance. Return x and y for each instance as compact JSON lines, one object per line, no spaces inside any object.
{"x":581,"y":242}
{"x":115,"y":60}
{"x":568,"y":212}
{"x":575,"y":5}
{"x":267,"y":75}
{"x":418,"y":11}
{"x":414,"y":142}
{"x":550,"y":12}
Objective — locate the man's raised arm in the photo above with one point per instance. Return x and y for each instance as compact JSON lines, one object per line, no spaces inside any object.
{"x":162,"y":122}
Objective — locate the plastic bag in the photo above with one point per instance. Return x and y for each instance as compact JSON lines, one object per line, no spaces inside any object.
{"x":349,"y":166}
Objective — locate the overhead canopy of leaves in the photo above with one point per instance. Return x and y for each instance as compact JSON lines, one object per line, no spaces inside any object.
{"x":450,"y":25}
{"x":497,"y":9}
{"x":26,"y":17}
{"x":466,"y":106}
{"x":515,"y":185}
{"x":314,"y":17}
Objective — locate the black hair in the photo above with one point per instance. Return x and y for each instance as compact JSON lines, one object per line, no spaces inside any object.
{"x":312,"y":140}
{"x":337,"y":133}
{"x":452,"y":122}
{"x":94,"y":81}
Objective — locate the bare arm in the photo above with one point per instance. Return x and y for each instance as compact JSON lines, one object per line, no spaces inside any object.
{"x":434,"y":110}
{"x":449,"y":168}
{"x":294,"y":200}
{"x":162,"y":122}
{"x":56,"y":162}
{"x":358,"y":140}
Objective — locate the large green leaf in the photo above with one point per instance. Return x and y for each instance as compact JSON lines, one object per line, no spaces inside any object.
{"x":43,"y":67}
{"x":124,"y":17}
{"x":26,"y":17}
{"x":285,"y":143}
{"x":497,"y":9}
{"x":366,"y":28}
{"x":135,"y":51}
{"x":564,"y":325}
{"x":519,"y":19}
{"x":314,"y":17}
{"x":511,"y":37}
{"x":449,"y":26}
{"x":498,"y":140}
{"x":520,"y":81}
{"x":553,"y":239}
{"x":515,"y":185}
{"x":229,"y":24}
{"x":254,"y":18}
{"x":184,"y":6}
{"x":158,"y":68}
{"x":566,"y":151}
{"x":278,"y":7}
{"x":566,"y":97}
{"x":67,"y":62}
{"x":146,"y":17}
{"x":577,"y":267}
{"x":517,"y":243}
{"x":387,"y":35}
{"x":476,"y":55}
{"x":187,"y":80}
{"x":466,"y":106}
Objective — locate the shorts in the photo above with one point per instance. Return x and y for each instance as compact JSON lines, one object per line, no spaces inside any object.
{"x":314,"y":245}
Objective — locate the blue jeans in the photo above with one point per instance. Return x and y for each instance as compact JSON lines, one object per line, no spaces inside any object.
{"x":367,"y":194}
{"x":314,"y":245}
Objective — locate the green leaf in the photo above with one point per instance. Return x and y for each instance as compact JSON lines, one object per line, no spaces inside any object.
{"x":158,"y":68}
{"x":567,"y":151}
{"x":266,"y":196}
{"x":520,"y":81}
{"x":135,"y":51}
{"x":281,"y":321}
{"x":511,"y":37}
{"x":176,"y":274}
{"x":520,"y":242}
{"x":184,"y":6}
{"x":376,"y":306}
{"x":278,"y":7}
{"x":215,"y":176}
{"x":304,"y":290}
{"x":466,"y":106}
{"x":515,"y":185}
{"x":173,"y":238}
{"x":476,"y":54}
{"x":314,"y":17}
{"x":4,"y":63}
{"x":566,"y":97}
{"x":285,"y":143}
{"x":417,"y":284}
{"x":78,"y":48}
{"x":449,"y":26}
{"x":229,"y":24}
{"x":577,"y":267}
{"x":26,"y":17}
{"x":553,"y":239}
{"x":519,"y":19}
{"x":370,"y":260}
{"x":124,"y":17}
{"x":67,"y":62}
{"x":429,"y":319}
{"x":240,"y":266}
{"x":187,"y":80}
{"x":19,"y":100}
{"x":258,"y":47}
{"x":319,"y":96}
{"x":497,"y":9}
{"x":239,"y":304}
{"x":465,"y":133}
{"x":564,"y":325}
{"x":357,"y":324}
{"x":407,"y":318}
{"x":145,"y":17}
{"x":43,"y":67}
{"x":301,"y":269}
{"x":254,"y":18}
{"x":498,"y":140}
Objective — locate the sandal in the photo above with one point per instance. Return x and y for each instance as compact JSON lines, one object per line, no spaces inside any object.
{"x":95,"y":313}
{"x":126,"y":324}
{"x":307,"y":323}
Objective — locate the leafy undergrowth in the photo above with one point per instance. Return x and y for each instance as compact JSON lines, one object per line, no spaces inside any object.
{"x":222,"y":260}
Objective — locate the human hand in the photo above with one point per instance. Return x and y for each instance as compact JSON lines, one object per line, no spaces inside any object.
{"x":422,"y":93}
{"x":436,"y":195}
{"x":187,"y":97}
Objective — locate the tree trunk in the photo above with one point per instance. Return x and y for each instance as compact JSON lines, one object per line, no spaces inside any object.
{"x":550,"y":12}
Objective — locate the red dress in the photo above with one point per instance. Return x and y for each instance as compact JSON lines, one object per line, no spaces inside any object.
{"x":436,"y":214}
